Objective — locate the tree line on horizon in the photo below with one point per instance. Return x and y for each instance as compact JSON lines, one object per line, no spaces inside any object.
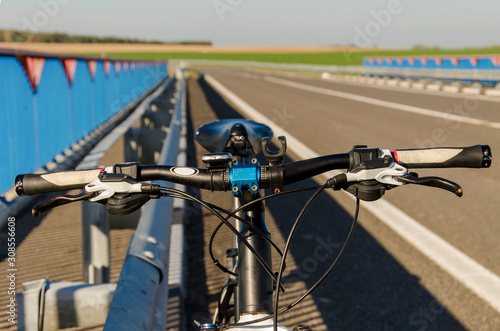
{"x":60,"y":37}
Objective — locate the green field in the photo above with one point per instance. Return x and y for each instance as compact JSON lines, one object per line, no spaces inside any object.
{"x":334,"y":58}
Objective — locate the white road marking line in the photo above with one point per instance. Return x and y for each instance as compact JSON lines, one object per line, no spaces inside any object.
{"x":471,"y":274}
{"x":385,"y":104}
{"x":491,"y":95}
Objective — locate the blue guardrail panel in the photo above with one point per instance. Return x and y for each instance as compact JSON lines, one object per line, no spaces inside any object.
{"x":17,"y":127}
{"x":99,"y":94}
{"x":111,"y":91}
{"x":466,"y":63}
{"x":488,"y":63}
{"x":53,"y":111}
{"x":82,"y":101}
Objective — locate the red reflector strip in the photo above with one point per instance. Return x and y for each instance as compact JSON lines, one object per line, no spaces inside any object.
{"x":395,"y":153}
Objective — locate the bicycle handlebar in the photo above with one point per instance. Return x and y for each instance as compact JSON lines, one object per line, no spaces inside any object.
{"x":478,"y":156}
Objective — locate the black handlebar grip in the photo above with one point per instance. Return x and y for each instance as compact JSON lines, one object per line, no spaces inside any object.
{"x":478,"y":156}
{"x":30,"y":184}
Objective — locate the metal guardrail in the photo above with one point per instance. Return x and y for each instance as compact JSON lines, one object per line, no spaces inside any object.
{"x":418,"y":73}
{"x":53,"y":304}
{"x":140,"y":300}
{"x":95,"y":218}
{"x":412,"y":73}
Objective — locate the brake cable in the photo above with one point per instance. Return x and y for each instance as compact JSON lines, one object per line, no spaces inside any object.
{"x":227,"y":223}
{"x":322,"y":278}
{"x":330,"y":183}
{"x":230,"y":214}
{"x":233,"y":214}
{"x":287,"y":248}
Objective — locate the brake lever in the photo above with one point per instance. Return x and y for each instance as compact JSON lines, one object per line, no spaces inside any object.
{"x":61,"y":200}
{"x":412,"y":178}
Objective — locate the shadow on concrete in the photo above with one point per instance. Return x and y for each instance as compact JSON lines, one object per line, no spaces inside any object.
{"x":25,"y":223}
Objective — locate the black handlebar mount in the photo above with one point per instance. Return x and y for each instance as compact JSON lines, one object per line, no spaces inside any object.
{"x":274,"y":172}
{"x":363,"y":158}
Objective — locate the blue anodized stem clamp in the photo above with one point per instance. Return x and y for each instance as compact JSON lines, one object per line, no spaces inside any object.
{"x":245,"y":176}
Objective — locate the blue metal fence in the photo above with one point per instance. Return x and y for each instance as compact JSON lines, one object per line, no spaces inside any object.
{"x":478,"y":63}
{"x":82,"y":100}
{"x":44,"y":112}
{"x":17,"y":127}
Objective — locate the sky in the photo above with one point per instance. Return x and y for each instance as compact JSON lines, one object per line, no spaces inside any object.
{"x":365,"y":23}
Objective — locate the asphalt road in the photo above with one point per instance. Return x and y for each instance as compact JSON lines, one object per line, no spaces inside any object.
{"x":382,"y":282}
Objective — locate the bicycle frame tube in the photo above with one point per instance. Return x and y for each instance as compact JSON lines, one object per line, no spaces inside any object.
{"x":237,"y":224}
{"x":253,"y":294}
{"x":255,"y":290}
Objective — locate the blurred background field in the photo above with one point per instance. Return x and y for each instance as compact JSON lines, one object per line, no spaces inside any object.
{"x":346,"y":57}
{"x":332,"y":55}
